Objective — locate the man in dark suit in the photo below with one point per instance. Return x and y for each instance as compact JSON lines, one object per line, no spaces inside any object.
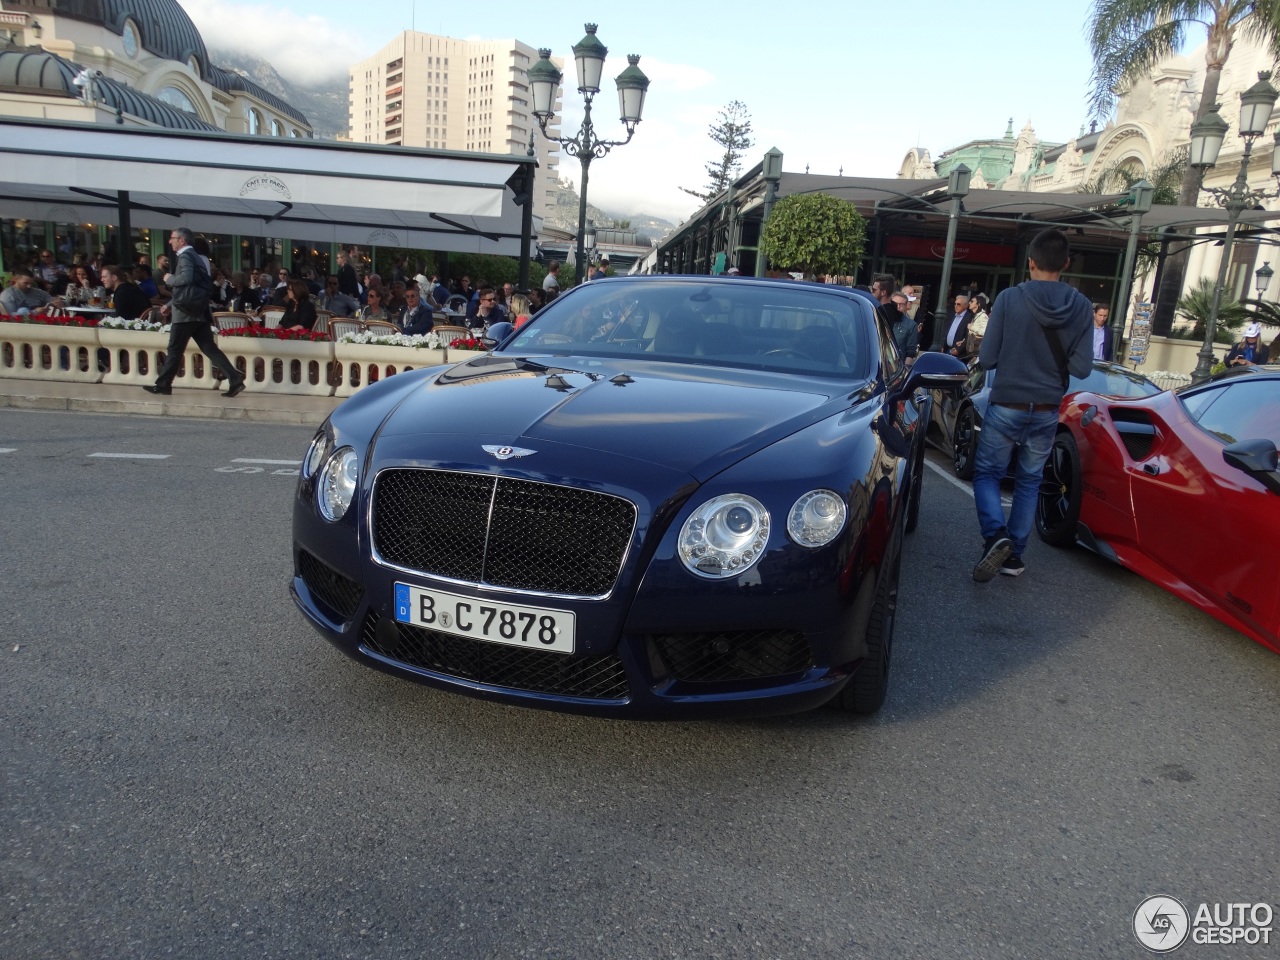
{"x":1104,"y":347}
{"x":189,"y":319}
{"x":959,"y":328}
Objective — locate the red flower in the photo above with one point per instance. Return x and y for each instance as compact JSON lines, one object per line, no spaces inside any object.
{"x":48,"y":321}
{"x":466,"y":343}
{"x":275,"y":333}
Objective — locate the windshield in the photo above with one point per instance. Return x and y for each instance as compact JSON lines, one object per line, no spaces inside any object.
{"x":1114,"y":381}
{"x":717,"y":323}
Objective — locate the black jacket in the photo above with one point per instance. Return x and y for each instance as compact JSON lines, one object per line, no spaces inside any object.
{"x":128,"y":301}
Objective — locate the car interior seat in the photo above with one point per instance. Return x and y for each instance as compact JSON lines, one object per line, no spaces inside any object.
{"x":821,"y":344}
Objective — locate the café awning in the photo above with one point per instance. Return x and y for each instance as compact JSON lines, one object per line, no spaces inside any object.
{"x":317,"y":191}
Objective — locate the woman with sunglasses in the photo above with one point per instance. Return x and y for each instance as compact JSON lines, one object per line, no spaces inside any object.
{"x":374,"y":309}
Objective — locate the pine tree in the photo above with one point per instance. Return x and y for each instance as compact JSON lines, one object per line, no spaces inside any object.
{"x":731,"y":132}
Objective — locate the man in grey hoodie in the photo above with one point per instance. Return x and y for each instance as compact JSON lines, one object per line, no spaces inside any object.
{"x":1039,"y":334}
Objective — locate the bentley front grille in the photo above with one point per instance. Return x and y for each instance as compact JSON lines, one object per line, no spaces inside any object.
{"x":518,"y":534}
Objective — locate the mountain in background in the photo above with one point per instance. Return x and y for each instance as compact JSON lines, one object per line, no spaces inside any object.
{"x":325,"y":106}
{"x":565,"y":215}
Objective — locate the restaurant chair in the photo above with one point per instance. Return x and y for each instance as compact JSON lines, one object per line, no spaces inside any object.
{"x":230,"y":320}
{"x":271,"y":316}
{"x":340,"y":328}
{"x":322,"y":322}
{"x":382,"y":328}
{"x":449,"y":332}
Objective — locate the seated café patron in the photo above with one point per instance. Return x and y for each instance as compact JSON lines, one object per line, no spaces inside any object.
{"x":127,"y":299}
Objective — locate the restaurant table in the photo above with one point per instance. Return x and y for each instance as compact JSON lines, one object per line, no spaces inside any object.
{"x":90,"y":311}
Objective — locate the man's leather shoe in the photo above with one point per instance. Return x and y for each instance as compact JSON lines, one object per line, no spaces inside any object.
{"x":237,"y":388}
{"x":156,"y":388}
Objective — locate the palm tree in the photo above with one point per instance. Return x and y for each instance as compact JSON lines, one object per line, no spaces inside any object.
{"x":1198,"y":303}
{"x":1129,"y":37}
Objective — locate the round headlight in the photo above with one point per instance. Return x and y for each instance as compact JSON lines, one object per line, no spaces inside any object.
{"x":315,"y":454}
{"x":724,"y":536}
{"x":338,"y":484}
{"x":817,"y":518}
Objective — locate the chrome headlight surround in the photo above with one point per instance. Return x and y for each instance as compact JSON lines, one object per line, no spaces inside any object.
{"x":337,"y":486}
{"x":315,"y":454}
{"x":817,"y":518}
{"x":724,"y":536}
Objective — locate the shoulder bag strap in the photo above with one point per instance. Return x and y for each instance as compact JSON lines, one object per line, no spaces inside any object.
{"x":1059,"y":354}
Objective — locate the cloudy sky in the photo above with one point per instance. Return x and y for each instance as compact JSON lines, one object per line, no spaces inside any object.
{"x":850,"y":85}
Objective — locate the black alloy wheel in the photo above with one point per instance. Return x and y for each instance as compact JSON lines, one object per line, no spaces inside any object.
{"x":917,"y":487}
{"x":864,"y":694}
{"x":1058,"y":503}
{"x":964,"y":446}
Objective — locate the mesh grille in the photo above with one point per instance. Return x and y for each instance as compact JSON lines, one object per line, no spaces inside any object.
{"x":1137,"y":444}
{"x":744,"y":655}
{"x":537,"y":537}
{"x":327,"y":585}
{"x":537,"y":671}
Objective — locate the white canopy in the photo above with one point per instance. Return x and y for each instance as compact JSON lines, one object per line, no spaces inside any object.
{"x":259,"y":186}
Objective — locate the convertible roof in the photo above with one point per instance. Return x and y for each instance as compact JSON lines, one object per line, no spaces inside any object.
{"x":262,"y":186}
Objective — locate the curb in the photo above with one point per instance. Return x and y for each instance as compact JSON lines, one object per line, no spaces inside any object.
{"x":190,"y":404}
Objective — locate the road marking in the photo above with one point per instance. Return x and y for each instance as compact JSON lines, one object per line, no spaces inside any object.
{"x":132,"y":456}
{"x":8,"y":449}
{"x":949,"y":477}
{"x":273,"y":463}
{"x":952,"y":479}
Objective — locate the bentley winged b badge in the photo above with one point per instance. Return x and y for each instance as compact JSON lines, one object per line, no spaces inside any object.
{"x":506,"y":453}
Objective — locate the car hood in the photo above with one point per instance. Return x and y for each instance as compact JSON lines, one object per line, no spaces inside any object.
{"x":685,"y":417}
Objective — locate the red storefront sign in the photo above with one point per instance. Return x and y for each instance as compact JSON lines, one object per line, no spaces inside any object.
{"x":923,"y":248}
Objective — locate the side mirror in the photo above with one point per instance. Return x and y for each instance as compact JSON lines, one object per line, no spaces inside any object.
{"x":1257,"y":458}
{"x":937,"y":371}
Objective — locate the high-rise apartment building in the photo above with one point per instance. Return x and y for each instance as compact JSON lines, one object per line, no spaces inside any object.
{"x":422,"y":90}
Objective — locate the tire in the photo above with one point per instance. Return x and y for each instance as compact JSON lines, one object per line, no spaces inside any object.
{"x":864,"y":694}
{"x":964,"y":443}
{"x":917,"y":487}
{"x":1058,"y":503}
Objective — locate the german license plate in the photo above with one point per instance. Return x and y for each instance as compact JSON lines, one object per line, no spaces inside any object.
{"x":534,"y":628}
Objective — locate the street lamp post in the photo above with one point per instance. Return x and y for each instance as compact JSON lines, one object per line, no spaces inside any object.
{"x":957,"y":190}
{"x":1141,"y":196}
{"x":1207,"y":135}
{"x":589,"y":54}
{"x":771,"y":171}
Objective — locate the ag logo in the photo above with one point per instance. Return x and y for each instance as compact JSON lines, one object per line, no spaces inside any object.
{"x":1161,"y":924}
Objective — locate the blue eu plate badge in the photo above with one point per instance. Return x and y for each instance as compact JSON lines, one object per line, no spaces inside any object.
{"x":402,"y":603}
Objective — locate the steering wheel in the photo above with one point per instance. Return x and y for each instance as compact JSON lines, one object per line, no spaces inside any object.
{"x":787,"y":352}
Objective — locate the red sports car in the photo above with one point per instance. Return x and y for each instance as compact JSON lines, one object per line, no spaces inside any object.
{"x":1182,"y":488}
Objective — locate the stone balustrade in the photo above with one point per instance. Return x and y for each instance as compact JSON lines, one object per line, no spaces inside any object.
{"x":35,"y":351}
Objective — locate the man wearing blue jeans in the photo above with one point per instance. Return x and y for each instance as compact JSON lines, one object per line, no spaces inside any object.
{"x":1039,"y":332}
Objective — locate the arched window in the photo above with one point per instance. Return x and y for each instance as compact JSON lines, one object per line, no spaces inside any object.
{"x":276,"y":129}
{"x":176,"y":98}
{"x":255,"y":120}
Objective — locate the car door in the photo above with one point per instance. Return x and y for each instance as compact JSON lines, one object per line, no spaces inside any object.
{"x":1207,"y":522}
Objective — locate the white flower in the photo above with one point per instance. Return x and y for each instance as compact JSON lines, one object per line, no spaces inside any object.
{"x":119,"y":323}
{"x":427,"y":341}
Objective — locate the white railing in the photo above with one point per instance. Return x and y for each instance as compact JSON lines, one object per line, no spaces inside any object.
{"x":36,"y":351}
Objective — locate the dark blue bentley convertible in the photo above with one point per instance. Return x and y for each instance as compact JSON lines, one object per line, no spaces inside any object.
{"x":664,"y":496}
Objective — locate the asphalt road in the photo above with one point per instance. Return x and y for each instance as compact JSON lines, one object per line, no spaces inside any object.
{"x":189,"y":771}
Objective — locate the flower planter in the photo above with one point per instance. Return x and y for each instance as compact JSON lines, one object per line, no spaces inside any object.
{"x":358,"y":364}
{"x":135,"y":357}
{"x":287,"y":367}
{"x":37,"y":351}
{"x":454,"y":355}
